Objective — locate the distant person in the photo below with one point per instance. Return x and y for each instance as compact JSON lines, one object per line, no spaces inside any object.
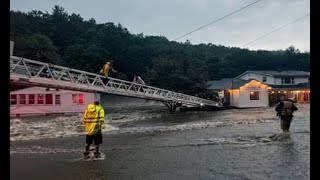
{"x":285,"y":109}
{"x":93,"y":125}
{"x":137,"y":79}
{"x":107,"y":68}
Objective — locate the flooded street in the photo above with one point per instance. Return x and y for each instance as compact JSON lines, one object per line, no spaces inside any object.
{"x":151,"y":143}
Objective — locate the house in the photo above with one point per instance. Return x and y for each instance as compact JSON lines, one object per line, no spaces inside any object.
{"x":294,"y":84}
{"x":242,"y":93}
{"x":46,"y":101}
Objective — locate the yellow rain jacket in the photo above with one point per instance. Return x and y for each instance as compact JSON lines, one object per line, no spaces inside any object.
{"x":106,"y":69}
{"x":93,"y":119}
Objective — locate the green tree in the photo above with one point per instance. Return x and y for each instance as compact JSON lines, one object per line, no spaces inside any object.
{"x":38,"y":47}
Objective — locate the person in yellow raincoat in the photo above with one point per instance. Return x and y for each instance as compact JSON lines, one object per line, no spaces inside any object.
{"x":105,"y":70}
{"x":93,"y":124}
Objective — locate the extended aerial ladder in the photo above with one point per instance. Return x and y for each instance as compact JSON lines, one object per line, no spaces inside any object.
{"x":34,"y":73}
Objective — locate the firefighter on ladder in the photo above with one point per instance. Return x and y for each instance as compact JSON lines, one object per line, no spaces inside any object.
{"x":105,"y":70}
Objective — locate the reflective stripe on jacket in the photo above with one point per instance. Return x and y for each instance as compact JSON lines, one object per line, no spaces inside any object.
{"x":286,"y":109}
{"x":93,"y":119}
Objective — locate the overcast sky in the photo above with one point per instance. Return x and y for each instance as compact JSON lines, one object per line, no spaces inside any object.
{"x":173,"y":18}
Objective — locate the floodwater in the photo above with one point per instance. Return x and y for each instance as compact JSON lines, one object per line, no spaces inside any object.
{"x":151,"y":143}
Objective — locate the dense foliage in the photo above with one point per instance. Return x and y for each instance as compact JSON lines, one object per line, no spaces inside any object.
{"x":71,"y":41}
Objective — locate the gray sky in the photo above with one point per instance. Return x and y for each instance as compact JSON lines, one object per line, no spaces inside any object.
{"x":173,"y":18}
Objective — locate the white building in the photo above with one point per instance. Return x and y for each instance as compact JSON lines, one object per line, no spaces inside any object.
{"x":242,"y":93}
{"x":45,"y":101}
{"x":294,"y":84}
{"x":242,"y":90}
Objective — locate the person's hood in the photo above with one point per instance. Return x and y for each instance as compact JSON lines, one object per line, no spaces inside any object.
{"x":91,"y":108}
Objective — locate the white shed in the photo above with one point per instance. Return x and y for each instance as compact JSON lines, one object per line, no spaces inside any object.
{"x":46,"y":101}
{"x":242,"y":93}
{"x":249,"y":94}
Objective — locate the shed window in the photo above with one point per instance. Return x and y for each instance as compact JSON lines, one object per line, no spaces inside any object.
{"x":13,"y":99}
{"x":40,"y":99}
{"x":254,"y":95}
{"x":77,"y":98}
{"x":81,"y":98}
{"x":48,"y":98}
{"x":31,"y":99}
{"x":58,"y":101}
{"x":22,"y":99}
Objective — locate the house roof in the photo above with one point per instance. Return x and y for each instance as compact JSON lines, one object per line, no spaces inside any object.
{"x":29,"y":89}
{"x":296,"y":86}
{"x":291,"y":73}
{"x":227,"y":83}
{"x":220,"y":84}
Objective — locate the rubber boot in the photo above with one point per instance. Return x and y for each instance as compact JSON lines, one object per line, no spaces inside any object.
{"x":96,"y":152}
{"x":86,"y":153}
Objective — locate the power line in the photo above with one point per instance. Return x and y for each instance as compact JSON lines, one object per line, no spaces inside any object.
{"x":217,"y":20}
{"x":277,"y":29}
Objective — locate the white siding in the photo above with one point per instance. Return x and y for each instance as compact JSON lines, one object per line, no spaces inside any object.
{"x":244,"y":100}
{"x":234,"y":98}
{"x":278,"y":80}
{"x":299,"y":80}
{"x":259,"y":77}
